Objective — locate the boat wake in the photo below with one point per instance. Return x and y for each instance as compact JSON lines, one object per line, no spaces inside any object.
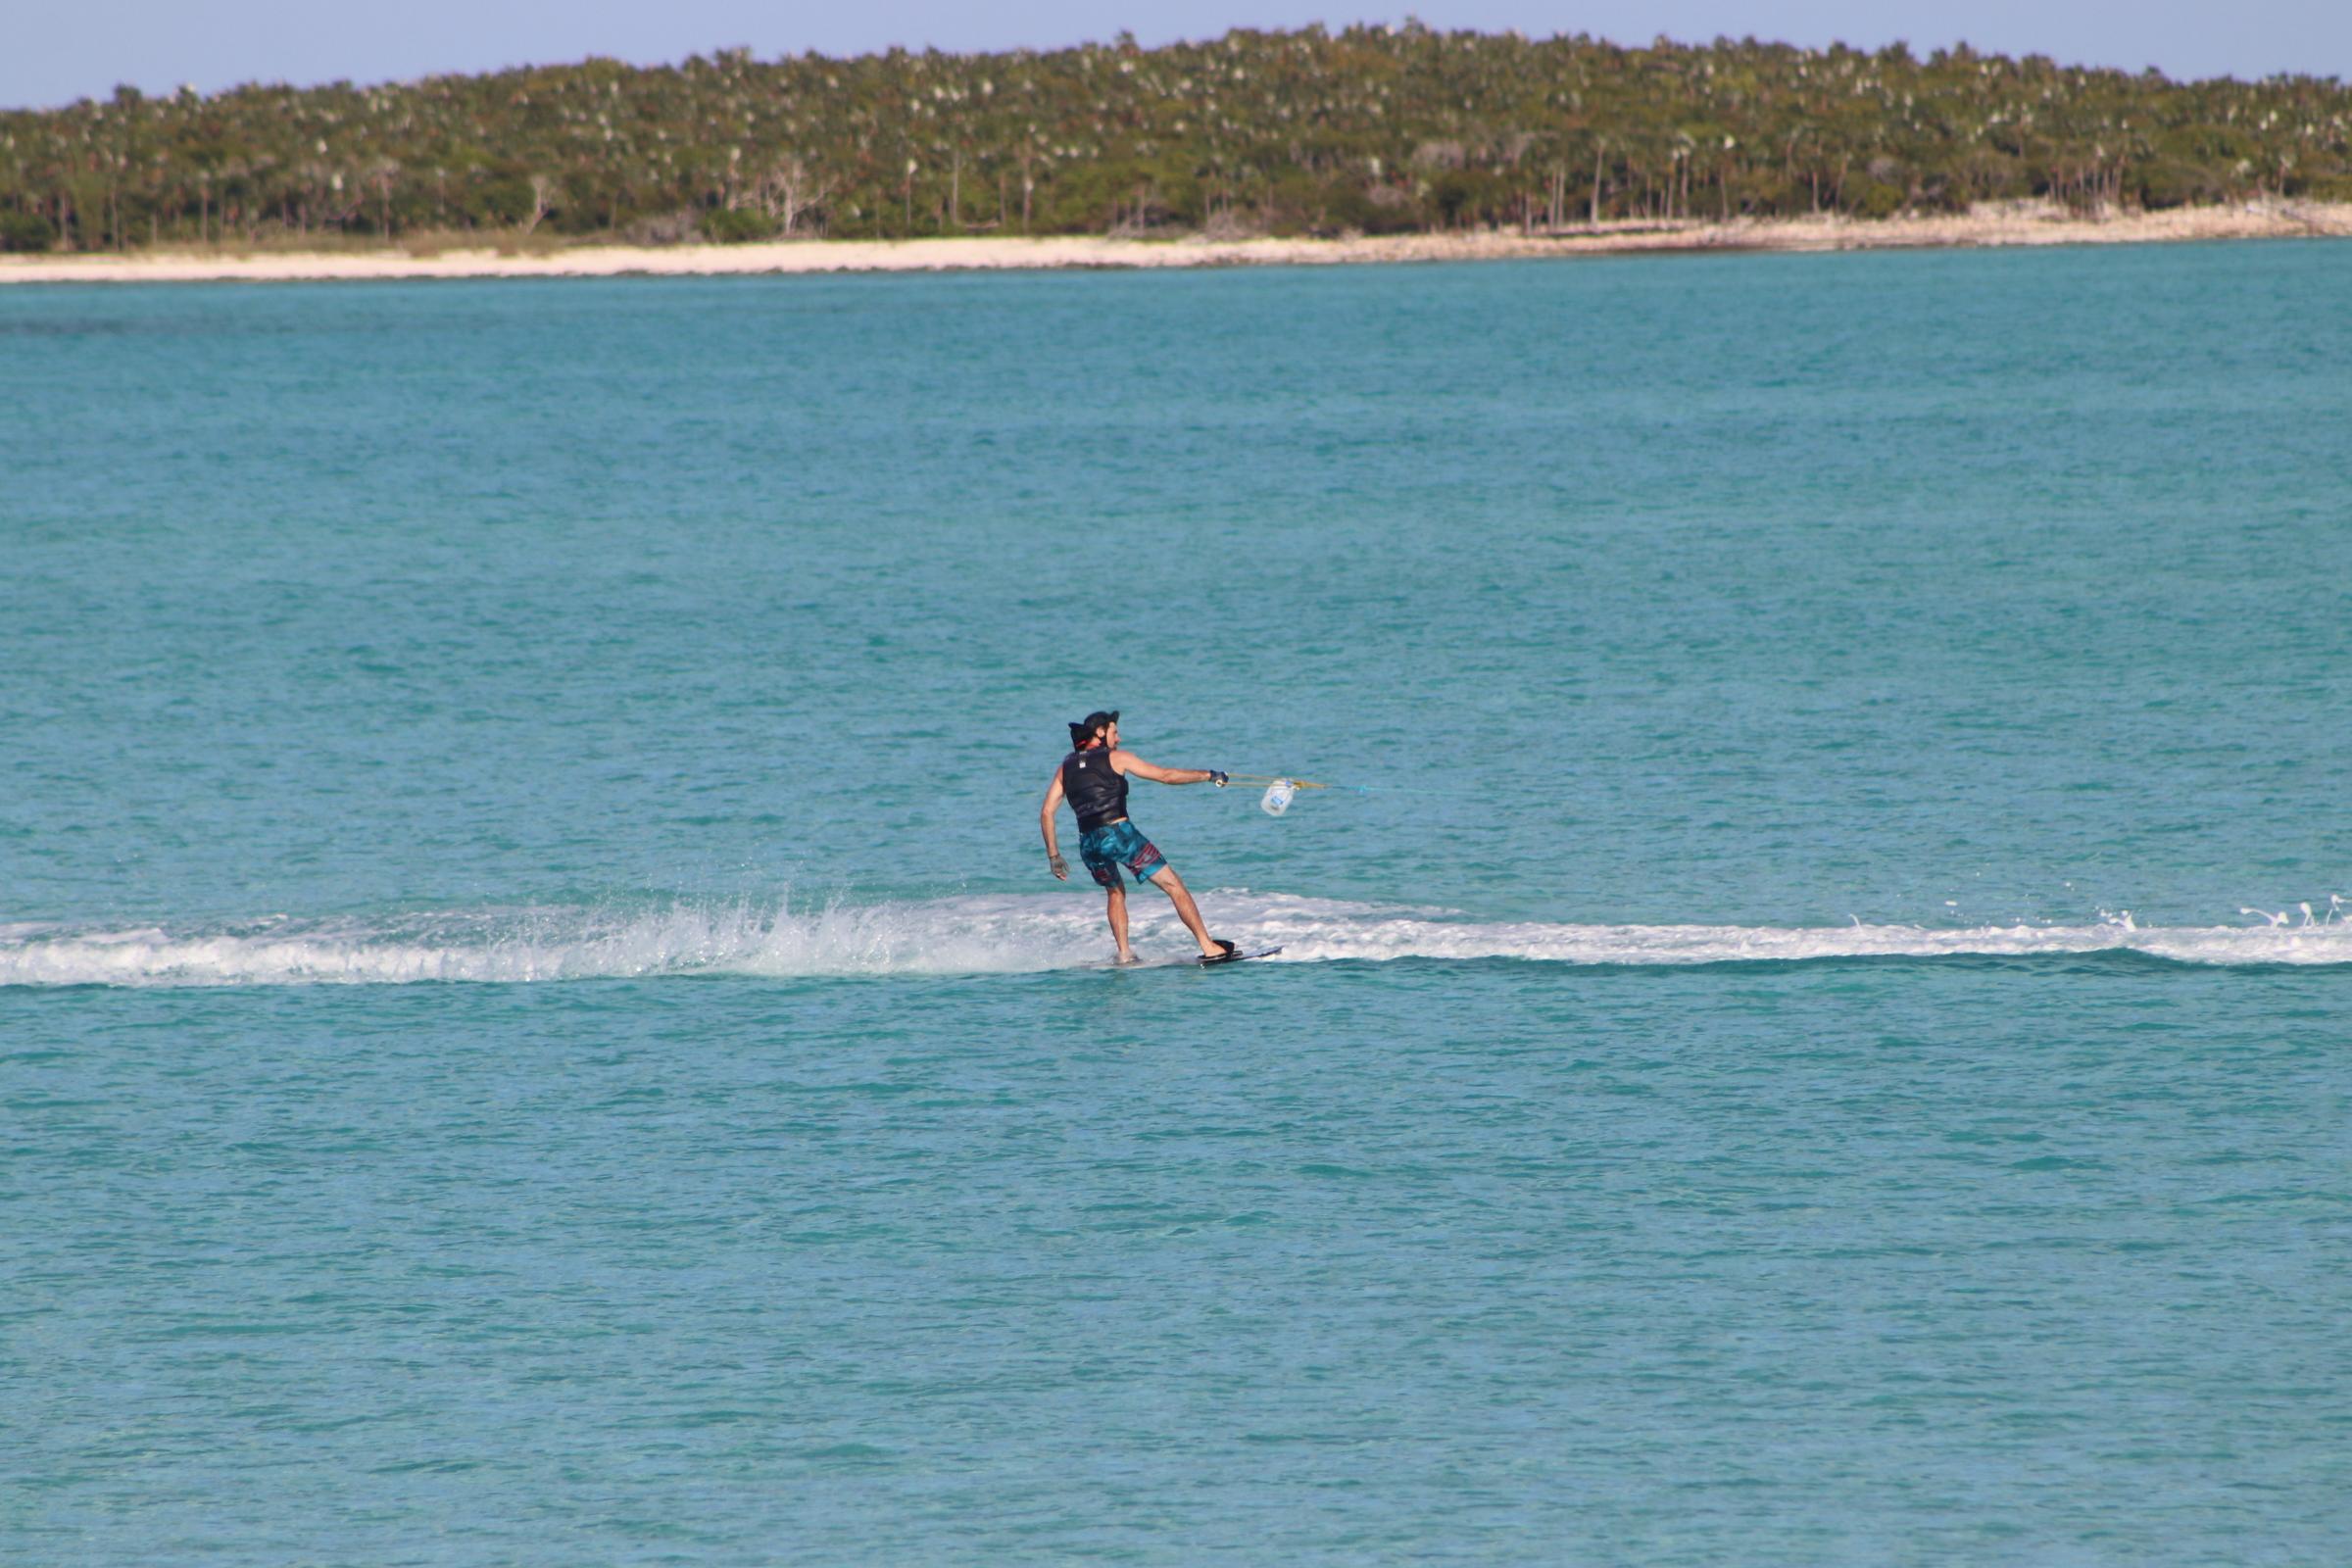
{"x":980,"y":934}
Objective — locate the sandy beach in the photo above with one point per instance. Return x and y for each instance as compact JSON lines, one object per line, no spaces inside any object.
{"x":2009,"y":223}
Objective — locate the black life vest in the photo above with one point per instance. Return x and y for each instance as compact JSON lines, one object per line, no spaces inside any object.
{"x":1096,"y":791}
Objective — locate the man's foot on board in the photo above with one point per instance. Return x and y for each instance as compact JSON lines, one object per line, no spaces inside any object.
{"x":1225,"y":953}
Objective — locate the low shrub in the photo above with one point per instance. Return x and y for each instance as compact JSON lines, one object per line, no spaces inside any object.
{"x":22,"y":231}
{"x":737,"y":225}
{"x":1872,"y":198}
{"x":2173,"y":183}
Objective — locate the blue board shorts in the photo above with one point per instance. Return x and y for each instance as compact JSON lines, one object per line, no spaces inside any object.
{"x":1118,"y":844}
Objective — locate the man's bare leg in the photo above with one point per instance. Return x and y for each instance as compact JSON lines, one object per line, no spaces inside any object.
{"x":1118,"y":923}
{"x":1168,"y":881}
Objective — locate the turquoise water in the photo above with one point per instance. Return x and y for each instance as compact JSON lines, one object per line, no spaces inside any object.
{"x":533,"y":1026}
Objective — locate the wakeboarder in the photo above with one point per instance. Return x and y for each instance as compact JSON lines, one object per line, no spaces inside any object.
{"x":1092,"y":778}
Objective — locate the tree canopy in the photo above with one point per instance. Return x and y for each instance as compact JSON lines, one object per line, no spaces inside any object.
{"x":1374,"y":130}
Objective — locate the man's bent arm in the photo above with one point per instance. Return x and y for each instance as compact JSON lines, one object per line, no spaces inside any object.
{"x":1044,"y":827}
{"x":1045,"y":817}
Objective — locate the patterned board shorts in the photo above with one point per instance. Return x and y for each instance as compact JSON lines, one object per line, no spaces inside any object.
{"x":1118,"y":844}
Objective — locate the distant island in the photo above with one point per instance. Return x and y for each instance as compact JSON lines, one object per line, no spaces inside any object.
{"x":1360,"y":134}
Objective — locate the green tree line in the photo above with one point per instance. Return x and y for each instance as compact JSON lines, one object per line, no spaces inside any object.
{"x":1373,"y":130}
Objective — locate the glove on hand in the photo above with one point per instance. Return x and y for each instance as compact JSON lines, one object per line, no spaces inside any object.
{"x":1216,"y":777}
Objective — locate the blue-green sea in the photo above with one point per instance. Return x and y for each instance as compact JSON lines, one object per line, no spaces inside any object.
{"x":535,"y":1028}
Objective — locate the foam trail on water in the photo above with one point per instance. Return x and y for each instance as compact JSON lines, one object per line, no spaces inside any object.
{"x":543,"y":943}
{"x":979,"y":934}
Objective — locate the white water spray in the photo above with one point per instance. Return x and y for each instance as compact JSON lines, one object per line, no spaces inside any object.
{"x":1001,"y":933}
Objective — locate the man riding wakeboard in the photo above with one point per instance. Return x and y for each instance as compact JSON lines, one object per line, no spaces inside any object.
{"x":1094,"y":779}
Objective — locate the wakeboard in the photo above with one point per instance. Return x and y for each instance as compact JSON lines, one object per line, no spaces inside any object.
{"x":1193,"y":962}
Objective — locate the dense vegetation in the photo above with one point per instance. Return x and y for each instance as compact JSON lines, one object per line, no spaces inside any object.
{"x":1374,"y":128}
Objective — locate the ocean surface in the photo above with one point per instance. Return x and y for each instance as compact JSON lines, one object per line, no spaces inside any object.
{"x":534,"y":1027}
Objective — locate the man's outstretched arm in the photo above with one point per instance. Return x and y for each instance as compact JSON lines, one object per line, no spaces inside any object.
{"x":1127,"y":761}
{"x":1044,"y":822}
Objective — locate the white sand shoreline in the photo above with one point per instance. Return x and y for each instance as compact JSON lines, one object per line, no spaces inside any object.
{"x":2028,"y":223}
